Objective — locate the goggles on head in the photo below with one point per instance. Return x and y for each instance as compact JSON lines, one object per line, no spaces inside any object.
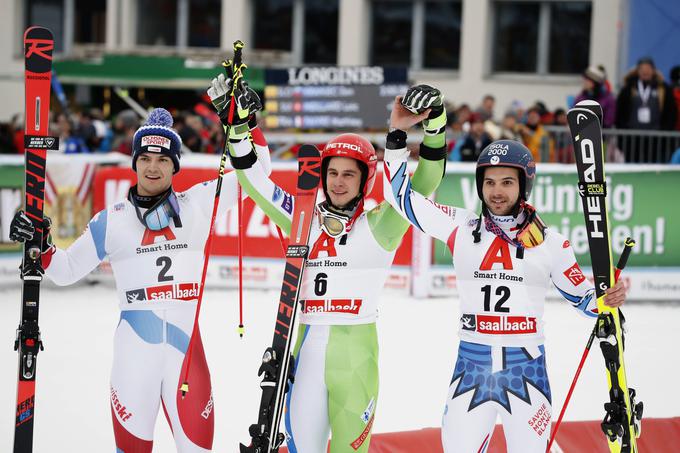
{"x":159,"y":215}
{"x":332,"y":223}
{"x":532,"y":231}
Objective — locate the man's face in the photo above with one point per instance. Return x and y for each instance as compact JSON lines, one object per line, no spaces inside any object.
{"x":500,"y":189}
{"x":343,"y":180}
{"x":645,"y":72}
{"x":154,"y":174}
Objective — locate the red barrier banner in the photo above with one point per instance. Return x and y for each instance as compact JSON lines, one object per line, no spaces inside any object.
{"x":658,"y":435}
{"x":261,"y":239}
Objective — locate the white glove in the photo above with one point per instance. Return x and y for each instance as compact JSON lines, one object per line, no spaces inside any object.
{"x":219,"y":91}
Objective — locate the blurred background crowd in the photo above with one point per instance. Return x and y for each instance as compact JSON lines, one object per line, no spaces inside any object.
{"x":638,"y":118}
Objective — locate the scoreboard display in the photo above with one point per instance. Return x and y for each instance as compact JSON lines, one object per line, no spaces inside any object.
{"x":333,"y":97}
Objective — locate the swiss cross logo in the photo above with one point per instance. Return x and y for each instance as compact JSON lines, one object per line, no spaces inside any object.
{"x":566,"y":244}
{"x":498,"y":253}
{"x":575,"y":275}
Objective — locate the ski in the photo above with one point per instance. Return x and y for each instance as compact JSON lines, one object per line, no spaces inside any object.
{"x":277,"y":364}
{"x":622,"y":422}
{"x":38,"y":45}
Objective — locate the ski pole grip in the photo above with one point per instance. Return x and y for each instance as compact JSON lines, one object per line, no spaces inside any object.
{"x":238,"y":46}
{"x":623,"y":259}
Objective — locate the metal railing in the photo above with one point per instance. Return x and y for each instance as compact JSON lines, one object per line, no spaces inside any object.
{"x":621,"y":145}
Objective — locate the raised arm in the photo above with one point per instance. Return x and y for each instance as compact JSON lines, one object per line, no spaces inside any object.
{"x":276,"y":203}
{"x":248,"y":150}
{"x":387,"y":224}
{"x":436,"y":220}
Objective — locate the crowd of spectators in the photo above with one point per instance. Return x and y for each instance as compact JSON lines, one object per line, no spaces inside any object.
{"x":88,"y":131}
{"x":644,"y":102}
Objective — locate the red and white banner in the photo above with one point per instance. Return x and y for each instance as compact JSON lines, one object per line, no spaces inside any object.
{"x":261,"y":239}
{"x":658,"y":434}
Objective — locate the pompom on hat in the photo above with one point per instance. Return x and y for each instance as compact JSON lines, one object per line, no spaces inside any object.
{"x":156,"y":135}
{"x":595,"y":74}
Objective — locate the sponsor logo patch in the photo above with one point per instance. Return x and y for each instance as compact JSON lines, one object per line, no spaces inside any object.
{"x":446,"y":209}
{"x":566,"y":244}
{"x":208,"y":408}
{"x":468,"y":322}
{"x":358,"y":442}
{"x":156,"y":140}
{"x":366,"y":415}
{"x":41,"y":142}
{"x":119,"y":407}
{"x":119,"y":206}
{"x":351,"y":306}
{"x":276,"y":196}
{"x":575,"y":275}
{"x":287,"y":203}
{"x":343,"y":146}
{"x":25,"y":410}
{"x":498,"y":148}
{"x":499,"y":325}
{"x":540,"y":421}
{"x":177,"y":291}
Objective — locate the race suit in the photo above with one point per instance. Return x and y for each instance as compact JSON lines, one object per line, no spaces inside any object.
{"x":336,"y":375}
{"x":158,"y":277}
{"x":501,"y":367}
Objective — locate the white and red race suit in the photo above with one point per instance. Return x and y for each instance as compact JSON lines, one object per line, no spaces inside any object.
{"x":158,"y":277}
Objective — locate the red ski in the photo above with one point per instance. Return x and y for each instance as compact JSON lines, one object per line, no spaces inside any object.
{"x":38,"y":45}
{"x":277,"y":361}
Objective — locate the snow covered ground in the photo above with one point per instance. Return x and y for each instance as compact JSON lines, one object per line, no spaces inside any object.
{"x":418,"y":343}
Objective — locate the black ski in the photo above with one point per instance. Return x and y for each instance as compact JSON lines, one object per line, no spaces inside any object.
{"x":277,"y":363}
{"x":621,"y":423}
{"x":38,"y":45}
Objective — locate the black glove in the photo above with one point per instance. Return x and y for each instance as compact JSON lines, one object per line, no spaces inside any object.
{"x":422,"y":97}
{"x":248,"y":103}
{"x":21,"y":229}
{"x":247,"y":100}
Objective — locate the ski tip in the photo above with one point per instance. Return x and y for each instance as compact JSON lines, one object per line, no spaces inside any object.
{"x":586,"y":102}
{"x":241,"y":330}
{"x":591,"y":106}
{"x":184,"y":388}
{"x":307,"y":150}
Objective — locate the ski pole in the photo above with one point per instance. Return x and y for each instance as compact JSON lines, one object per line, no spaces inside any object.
{"x":623,"y":259}
{"x":236,"y":66}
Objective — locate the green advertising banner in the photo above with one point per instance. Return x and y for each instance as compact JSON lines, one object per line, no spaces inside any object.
{"x":642,"y":204}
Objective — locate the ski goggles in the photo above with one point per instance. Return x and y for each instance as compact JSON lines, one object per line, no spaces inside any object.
{"x":332,"y":223}
{"x":532,"y":231}
{"x":159,"y":215}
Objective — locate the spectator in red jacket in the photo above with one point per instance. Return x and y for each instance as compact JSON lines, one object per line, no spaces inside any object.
{"x":675,"y":86}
